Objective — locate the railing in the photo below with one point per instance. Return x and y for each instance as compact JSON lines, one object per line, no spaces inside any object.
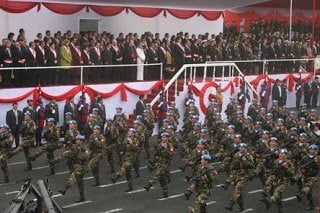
{"x":228,"y":71}
{"x":90,"y":68}
{"x":273,"y":66}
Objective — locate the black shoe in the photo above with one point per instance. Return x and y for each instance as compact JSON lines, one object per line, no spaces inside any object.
{"x":241,"y":209}
{"x":229,"y":206}
{"x":309,"y":208}
{"x":137,"y":175}
{"x":164,"y":195}
{"x":80,"y":200}
{"x":6,"y":180}
{"x":225,"y":185}
{"x":188,"y":178}
{"x":96,"y":183}
{"x":52,"y":172}
{"x":147,"y":187}
{"x":28,"y":168}
{"x":299,"y":198}
{"x":182,"y":168}
{"x":129,"y":189}
{"x":62,"y":191}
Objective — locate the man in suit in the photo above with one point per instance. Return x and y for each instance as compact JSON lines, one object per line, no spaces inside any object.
{"x":95,"y":55}
{"x":70,"y":107}
{"x":19,"y":61}
{"x":152,"y":58}
{"x":14,"y":119}
{"x":277,"y":91}
{"x":42,"y":62}
{"x":52,"y":110}
{"x":307,"y":91}
{"x":140,"y":106}
{"x":107,"y":60}
{"x":6,"y":60}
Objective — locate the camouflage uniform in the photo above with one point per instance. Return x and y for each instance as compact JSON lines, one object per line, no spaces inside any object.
{"x":163,"y":158}
{"x":130,"y":156}
{"x":120,"y":142}
{"x":28,"y":131}
{"x":51,"y":134}
{"x":81,"y":157}
{"x":111,"y":134}
{"x":97,"y":146}
{"x":68,"y":153}
{"x":6,"y":140}
{"x":240,"y":166}
{"x":202,"y":185}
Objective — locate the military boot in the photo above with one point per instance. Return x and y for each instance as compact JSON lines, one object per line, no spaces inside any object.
{"x":182,"y":168}
{"x":130,"y":188}
{"x":203,"y":208}
{"x":266,"y":202}
{"x":81,"y":199}
{"x":148,"y":186}
{"x":311,"y":204}
{"x":264,"y":196}
{"x":225,"y":185}
{"x":230,"y":205}
{"x":52,"y":172}
{"x":64,"y":190}
{"x":6,"y":177}
{"x":114,"y":179}
{"x":241,"y":207}
{"x":137,"y":173}
{"x":300,"y":196}
{"x":28,"y":168}
{"x":164,"y":195}
{"x":187,"y":194}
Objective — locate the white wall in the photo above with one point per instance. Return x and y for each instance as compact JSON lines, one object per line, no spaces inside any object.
{"x":34,"y":22}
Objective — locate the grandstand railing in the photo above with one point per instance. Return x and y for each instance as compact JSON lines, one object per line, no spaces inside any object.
{"x":222,"y":71}
{"x":88,"y":68}
{"x":266,"y":64}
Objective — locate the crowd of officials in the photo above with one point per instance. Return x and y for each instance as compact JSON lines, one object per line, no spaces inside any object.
{"x":264,"y":40}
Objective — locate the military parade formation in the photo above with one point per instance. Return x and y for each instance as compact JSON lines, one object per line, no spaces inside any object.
{"x":277,"y":146}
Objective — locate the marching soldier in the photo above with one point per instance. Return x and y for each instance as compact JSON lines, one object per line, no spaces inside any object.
{"x":81,"y":157}
{"x":69,"y":139}
{"x":28,"y":132}
{"x":130,"y":156}
{"x":202,"y":185}
{"x":51,"y":134}
{"x":278,"y":180}
{"x":111,"y":134}
{"x":162,"y":158}
{"x":242,"y":162}
{"x":309,"y":170}
{"x":97,"y":145}
{"x":6,"y":141}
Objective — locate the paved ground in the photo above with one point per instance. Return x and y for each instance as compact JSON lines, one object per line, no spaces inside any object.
{"x":112,"y":198}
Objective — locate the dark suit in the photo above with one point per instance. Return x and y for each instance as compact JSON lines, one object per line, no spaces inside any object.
{"x":52,"y":60}
{"x":42,"y":62}
{"x":6,"y":60}
{"x":277,"y":93}
{"x":139,"y":108}
{"x":14,"y":125}
{"x":31,"y":62}
{"x":96,"y":60}
{"x":70,"y":108}
{"x":307,"y":91}
{"x":52,"y":111}
{"x":20,"y":75}
{"x":178,"y":56}
{"x":107,"y":59}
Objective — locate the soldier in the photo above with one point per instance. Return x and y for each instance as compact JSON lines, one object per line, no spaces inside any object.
{"x":27,"y":131}
{"x":69,"y":139}
{"x":111,"y":134}
{"x":162,"y":158}
{"x":121,"y":126}
{"x":81,"y":157}
{"x":130,"y":156}
{"x":202,"y":185}
{"x":242,"y":162}
{"x":6,"y":141}
{"x":149,"y":124}
{"x":309,"y":169}
{"x":278,"y":180}
{"x":231,"y":108}
{"x":51,"y":134}
{"x":97,"y":145}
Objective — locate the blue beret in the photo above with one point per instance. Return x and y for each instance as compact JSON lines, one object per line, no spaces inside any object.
{"x":201,"y":141}
{"x":265,"y":132}
{"x":206,"y":157}
{"x":237,"y":136}
{"x":293,"y":129}
{"x":138,"y":117}
{"x":165,"y":134}
{"x":68,"y":113}
{"x":303,"y":135}
{"x":231,"y":127}
{"x":6,"y":126}
{"x":284,"y":151}
{"x":302,"y":119}
{"x":119,"y":108}
{"x":80,"y":137}
{"x":170,"y":127}
{"x":313,"y":146}
{"x":95,"y":109}
{"x":280,"y":120}
{"x":196,"y":124}
{"x":146,"y":110}
{"x":313,"y":110}
{"x":97,"y":127}
{"x":249,"y":118}
{"x":27,"y":113}
{"x":204,"y":130}
{"x":72,"y":122}
{"x":165,"y":121}
{"x":51,"y":120}
{"x":195,"y":116}
{"x":138,"y":122}
{"x":243,"y":145}
{"x":274,"y":139}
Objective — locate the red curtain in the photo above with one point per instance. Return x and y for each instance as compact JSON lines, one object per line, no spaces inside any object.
{"x":107,"y":10}
{"x":211,"y":15}
{"x":17,"y":99}
{"x":146,"y":12}
{"x":72,"y":92}
{"x":65,"y":9}
{"x":16,"y":7}
{"x":182,"y":14}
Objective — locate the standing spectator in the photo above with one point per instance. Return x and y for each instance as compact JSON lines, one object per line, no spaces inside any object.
{"x":107,"y":74}
{"x":141,"y":57}
{"x":130,"y":57}
{"x":299,"y":92}
{"x":242,"y":25}
{"x":42,"y":62}
{"x":65,"y":60}
{"x":307,"y":92}
{"x":52,"y":110}
{"x":14,"y":119}
{"x":95,"y":56}
{"x":6,"y":60}
{"x":19,"y":60}
{"x":179,"y":54}
{"x":152,"y":58}
{"x":315,"y":86}
{"x":70,"y":107}
{"x":265,"y":94}
{"x":41,"y":117}
{"x":277,"y":92}
{"x":52,"y":60}
{"x":140,"y":106}
{"x":283,"y":100}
